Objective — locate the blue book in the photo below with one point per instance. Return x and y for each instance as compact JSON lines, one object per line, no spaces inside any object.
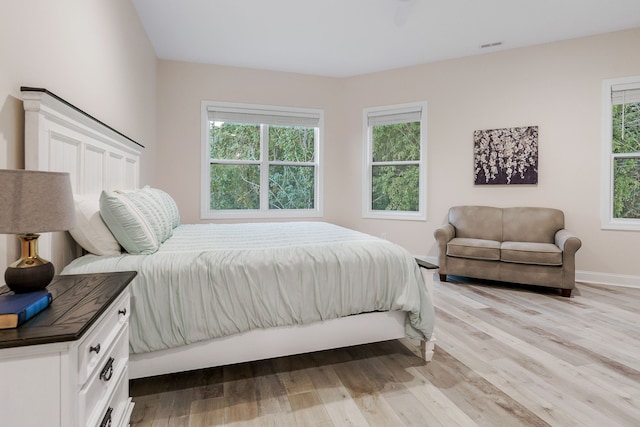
{"x":17,"y":309}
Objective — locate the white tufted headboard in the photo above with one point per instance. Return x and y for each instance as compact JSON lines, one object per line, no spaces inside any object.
{"x":62,"y":138}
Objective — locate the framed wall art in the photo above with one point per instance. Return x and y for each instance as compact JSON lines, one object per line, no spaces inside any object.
{"x":506,"y":156}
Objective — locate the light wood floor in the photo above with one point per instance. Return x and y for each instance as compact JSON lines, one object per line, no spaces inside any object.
{"x":505,"y":356}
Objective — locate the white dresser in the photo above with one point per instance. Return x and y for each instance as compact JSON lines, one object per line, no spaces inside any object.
{"x":68,"y":366}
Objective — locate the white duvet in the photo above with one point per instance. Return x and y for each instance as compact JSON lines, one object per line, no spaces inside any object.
{"x":213,"y":280}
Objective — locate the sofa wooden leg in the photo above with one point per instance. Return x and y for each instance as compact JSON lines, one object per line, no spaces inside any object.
{"x":443,"y":277}
{"x":566,"y":292}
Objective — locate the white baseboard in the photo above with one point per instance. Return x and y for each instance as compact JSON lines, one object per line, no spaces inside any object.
{"x":608,"y":279}
{"x":583,"y":276}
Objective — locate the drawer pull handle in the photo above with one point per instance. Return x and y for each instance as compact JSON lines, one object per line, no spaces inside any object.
{"x":106,"y":420}
{"x":107,"y":371}
{"x":122,"y":311}
{"x":96,"y":348}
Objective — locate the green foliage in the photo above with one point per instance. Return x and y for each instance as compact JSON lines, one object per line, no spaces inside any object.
{"x":626,"y":139}
{"x":243,"y":179}
{"x":291,"y":144}
{"x":626,"y":188}
{"x":398,"y":142}
{"x":291,"y":187}
{"x":236,"y":184}
{"x":396,"y":187}
{"x":233,"y":141}
{"x":626,"y":128}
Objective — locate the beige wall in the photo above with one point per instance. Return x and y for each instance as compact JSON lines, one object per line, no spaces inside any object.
{"x":95,"y":54}
{"x":181,"y":88}
{"x":555,"y":86}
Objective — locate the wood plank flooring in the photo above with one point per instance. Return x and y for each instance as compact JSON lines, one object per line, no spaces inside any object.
{"x":505,"y":356}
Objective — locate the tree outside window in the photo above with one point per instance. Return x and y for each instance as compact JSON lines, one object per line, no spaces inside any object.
{"x":395,"y":172}
{"x":626,"y":154}
{"x":261,"y":162}
{"x":621,"y":154}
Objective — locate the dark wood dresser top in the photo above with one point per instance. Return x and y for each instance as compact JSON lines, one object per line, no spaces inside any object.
{"x":78,"y":301}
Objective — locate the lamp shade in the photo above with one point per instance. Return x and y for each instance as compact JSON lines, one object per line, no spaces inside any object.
{"x":35,"y":201}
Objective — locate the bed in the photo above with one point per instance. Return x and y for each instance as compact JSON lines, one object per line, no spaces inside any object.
{"x":214,"y":294}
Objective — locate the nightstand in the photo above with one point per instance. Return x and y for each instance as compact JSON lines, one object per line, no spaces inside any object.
{"x":68,"y":365}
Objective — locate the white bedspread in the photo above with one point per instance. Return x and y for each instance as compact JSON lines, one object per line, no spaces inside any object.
{"x":213,"y":280}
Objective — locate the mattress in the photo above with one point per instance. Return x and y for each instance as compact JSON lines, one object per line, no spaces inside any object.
{"x":213,"y":280}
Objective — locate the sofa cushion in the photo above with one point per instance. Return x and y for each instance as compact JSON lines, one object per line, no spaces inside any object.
{"x":477,"y":222}
{"x":462,"y":247}
{"x":531,"y":224}
{"x":531,"y":253}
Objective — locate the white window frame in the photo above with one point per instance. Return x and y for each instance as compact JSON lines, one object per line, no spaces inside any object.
{"x":367,"y":131}
{"x":264,"y":212}
{"x":608,"y":222}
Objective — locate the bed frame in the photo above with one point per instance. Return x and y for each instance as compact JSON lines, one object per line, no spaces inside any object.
{"x":61,"y":137}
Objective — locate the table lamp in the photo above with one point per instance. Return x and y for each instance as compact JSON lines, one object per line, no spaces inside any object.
{"x":33,"y":202}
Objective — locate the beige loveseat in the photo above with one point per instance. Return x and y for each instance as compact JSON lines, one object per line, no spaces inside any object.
{"x":527,"y":245}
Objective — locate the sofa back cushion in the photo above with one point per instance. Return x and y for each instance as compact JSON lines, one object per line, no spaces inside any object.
{"x":530,"y":224}
{"x":477,"y":222}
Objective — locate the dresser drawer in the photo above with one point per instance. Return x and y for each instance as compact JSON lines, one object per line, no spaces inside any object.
{"x":117,"y":412}
{"x":94,"y":347}
{"x":105,"y":381}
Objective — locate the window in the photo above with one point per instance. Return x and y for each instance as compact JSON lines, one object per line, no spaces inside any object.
{"x":395,"y":169}
{"x":621,"y":154}
{"x":260,"y":161}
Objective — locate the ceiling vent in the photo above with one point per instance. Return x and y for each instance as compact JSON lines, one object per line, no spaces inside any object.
{"x":494,"y":44}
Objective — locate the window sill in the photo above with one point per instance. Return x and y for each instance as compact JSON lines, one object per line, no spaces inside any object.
{"x":621,"y":225}
{"x":400,"y":216}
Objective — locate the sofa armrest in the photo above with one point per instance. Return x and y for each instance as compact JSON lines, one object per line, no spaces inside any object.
{"x":567,"y":242}
{"x":444,"y":233}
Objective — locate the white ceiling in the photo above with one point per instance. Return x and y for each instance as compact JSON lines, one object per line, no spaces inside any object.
{"x":350,"y":37}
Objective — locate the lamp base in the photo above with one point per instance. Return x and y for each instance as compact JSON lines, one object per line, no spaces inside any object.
{"x":22,"y":280}
{"x":29,"y":273}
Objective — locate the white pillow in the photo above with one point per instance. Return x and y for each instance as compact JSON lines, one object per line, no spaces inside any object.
{"x":128,"y":223}
{"x":91,"y":232}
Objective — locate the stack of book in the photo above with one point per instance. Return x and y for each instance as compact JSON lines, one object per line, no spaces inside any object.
{"x":15,"y":309}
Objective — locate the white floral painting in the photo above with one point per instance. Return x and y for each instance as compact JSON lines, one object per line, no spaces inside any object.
{"x":506,"y":156}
